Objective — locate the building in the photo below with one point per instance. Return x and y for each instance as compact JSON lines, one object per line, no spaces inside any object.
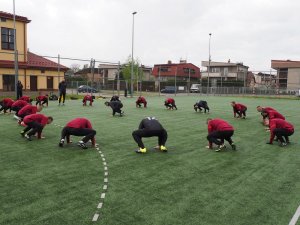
{"x":225,"y":71}
{"x":265,"y":80}
{"x":106,"y":72}
{"x":35,"y":72}
{"x":288,"y":73}
{"x":182,"y":71}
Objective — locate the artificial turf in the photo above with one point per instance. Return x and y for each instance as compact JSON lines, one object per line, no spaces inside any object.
{"x":41,"y":183}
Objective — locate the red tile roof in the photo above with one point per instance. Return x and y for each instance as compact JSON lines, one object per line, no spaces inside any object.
{"x":36,"y":61}
{"x":11,"y":16}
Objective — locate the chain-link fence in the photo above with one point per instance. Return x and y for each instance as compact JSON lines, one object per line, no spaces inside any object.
{"x":103,"y":78}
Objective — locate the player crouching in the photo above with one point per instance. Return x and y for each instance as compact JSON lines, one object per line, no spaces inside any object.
{"x":78,"y":127}
{"x":88,"y":98}
{"x":170,"y":104}
{"x":150,"y":127}
{"x":116,"y":107}
{"x":141,"y":100}
{"x":201,"y":104}
{"x":218,"y":131}
{"x":35,"y":123}
{"x":280,"y":128}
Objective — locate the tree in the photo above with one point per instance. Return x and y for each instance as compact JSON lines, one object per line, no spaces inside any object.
{"x":126,"y":70}
{"x":75,"y":67}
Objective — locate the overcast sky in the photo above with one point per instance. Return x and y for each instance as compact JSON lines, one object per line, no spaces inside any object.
{"x":252,"y":31}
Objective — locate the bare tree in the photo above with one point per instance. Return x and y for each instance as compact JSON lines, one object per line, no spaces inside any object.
{"x":75,"y":67}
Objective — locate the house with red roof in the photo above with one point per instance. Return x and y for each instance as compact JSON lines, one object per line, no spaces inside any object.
{"x":35,"y":72}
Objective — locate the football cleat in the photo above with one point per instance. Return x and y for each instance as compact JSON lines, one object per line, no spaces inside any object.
{"x":141,"y":150}
{"x":22,"y":133}
{"x":220,"y":148}
{"x":233,"y":146}
{"x":28,"y":137}
{"x":82,"y":145}
{"x":163,"y":148}
{"x":61,"y":143}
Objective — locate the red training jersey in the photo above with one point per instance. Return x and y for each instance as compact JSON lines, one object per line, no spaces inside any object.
{"x":80,"y":123}
{"x":39,"y":118}
{"x":268,"y":109}
{"x":170,"y":101}
{"x":19,"y":103}
{"x":25,"y":98}
{"x":41,"y":98}
{"x":28,"y":109}
{"x":87,"y":98}
{"x":275,"y":115}
{"x":279,"y":123}
{"x":218,"y":125}
{"x":141,"y":100}
{"x":7,"y":102}
{"x":238,"y":108}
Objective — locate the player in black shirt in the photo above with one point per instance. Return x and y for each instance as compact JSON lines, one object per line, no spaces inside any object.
{"x":150,"y":127}
{"x":201,"y":104}
{"x":116,"y":107}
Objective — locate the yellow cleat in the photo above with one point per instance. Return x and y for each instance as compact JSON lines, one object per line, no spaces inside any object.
{"x":163,"y":148}
{"x":141,"y":150}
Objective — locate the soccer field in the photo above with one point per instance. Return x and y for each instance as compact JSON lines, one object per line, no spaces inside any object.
{"x":41,"y":183}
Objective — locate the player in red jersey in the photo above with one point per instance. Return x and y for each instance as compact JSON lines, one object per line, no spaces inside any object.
{"x":239,"y":109}
{"x":280,"y":128}
{"x":218,"y":131}
{"x":88,"y":98}
{"x":78,"y":127}
{"x":263,"y":110}
{"x":41,"y":100}
{"x":28,"y":110}
{"x":6,"y":104}
{"x":35,"y":123}
{"x":18,"y":105}
{"x":170,"y":103}
{"x":26,"y":98}
{"x":141,"y":100}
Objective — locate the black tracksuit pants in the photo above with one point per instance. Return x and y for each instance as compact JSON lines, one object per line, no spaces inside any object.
{"x":139,"y":134}
{"x":281,"y":132}
{"x":217,"y":137}
{"x":88,"y":133}
{"x":34,"y":127}
{"x":62,"y":94}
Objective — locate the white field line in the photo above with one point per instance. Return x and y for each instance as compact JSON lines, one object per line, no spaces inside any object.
{"x":295,"y":217}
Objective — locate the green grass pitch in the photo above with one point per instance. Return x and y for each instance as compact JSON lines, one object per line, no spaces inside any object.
{"x":41,"y":183}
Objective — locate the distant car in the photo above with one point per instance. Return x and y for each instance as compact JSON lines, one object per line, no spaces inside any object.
{"x":195,"y":88}
{"x":86,"y":89}
{"x":168,"y":89}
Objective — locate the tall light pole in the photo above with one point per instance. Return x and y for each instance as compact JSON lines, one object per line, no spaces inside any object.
{"x":209,"y":59}
{"x":132,"y":44}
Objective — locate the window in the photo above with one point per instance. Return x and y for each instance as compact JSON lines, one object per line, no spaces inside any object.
{"x":7,"y":38}
{"x":188,"y":71}
{"x":3,"y":20}
{"x":164,"y":69}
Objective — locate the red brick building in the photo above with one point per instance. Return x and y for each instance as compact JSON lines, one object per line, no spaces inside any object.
{"x":182,"y":70}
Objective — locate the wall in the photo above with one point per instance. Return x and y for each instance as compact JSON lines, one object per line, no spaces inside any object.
{"x":293,"y":78}
{"x":21,"y":29}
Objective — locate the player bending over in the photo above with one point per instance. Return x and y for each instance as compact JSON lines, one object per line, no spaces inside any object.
{"x":280,"y":128}
{"x":263,"y":110}
{"x":6,"y":104}
{"x":150,"y":127}
{"x":170,"y":103}
{"x":41,"y":100}
{"x":88,"y":98}
{"x":17,"y":106}
{"x":26,"y":98}
{"x":201,"y":104}
{"x":116,"y":107}
{"x":115,"y":98}
{"x":141,"y":100}
{"x":239,"y":109}
{"x":218,"y":131}
{"x":78,"y":127}
{"x":28,"y":110}
{"x":35,"y":123}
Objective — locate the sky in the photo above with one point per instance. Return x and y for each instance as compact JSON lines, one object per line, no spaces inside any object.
{"x":253,"y":32}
